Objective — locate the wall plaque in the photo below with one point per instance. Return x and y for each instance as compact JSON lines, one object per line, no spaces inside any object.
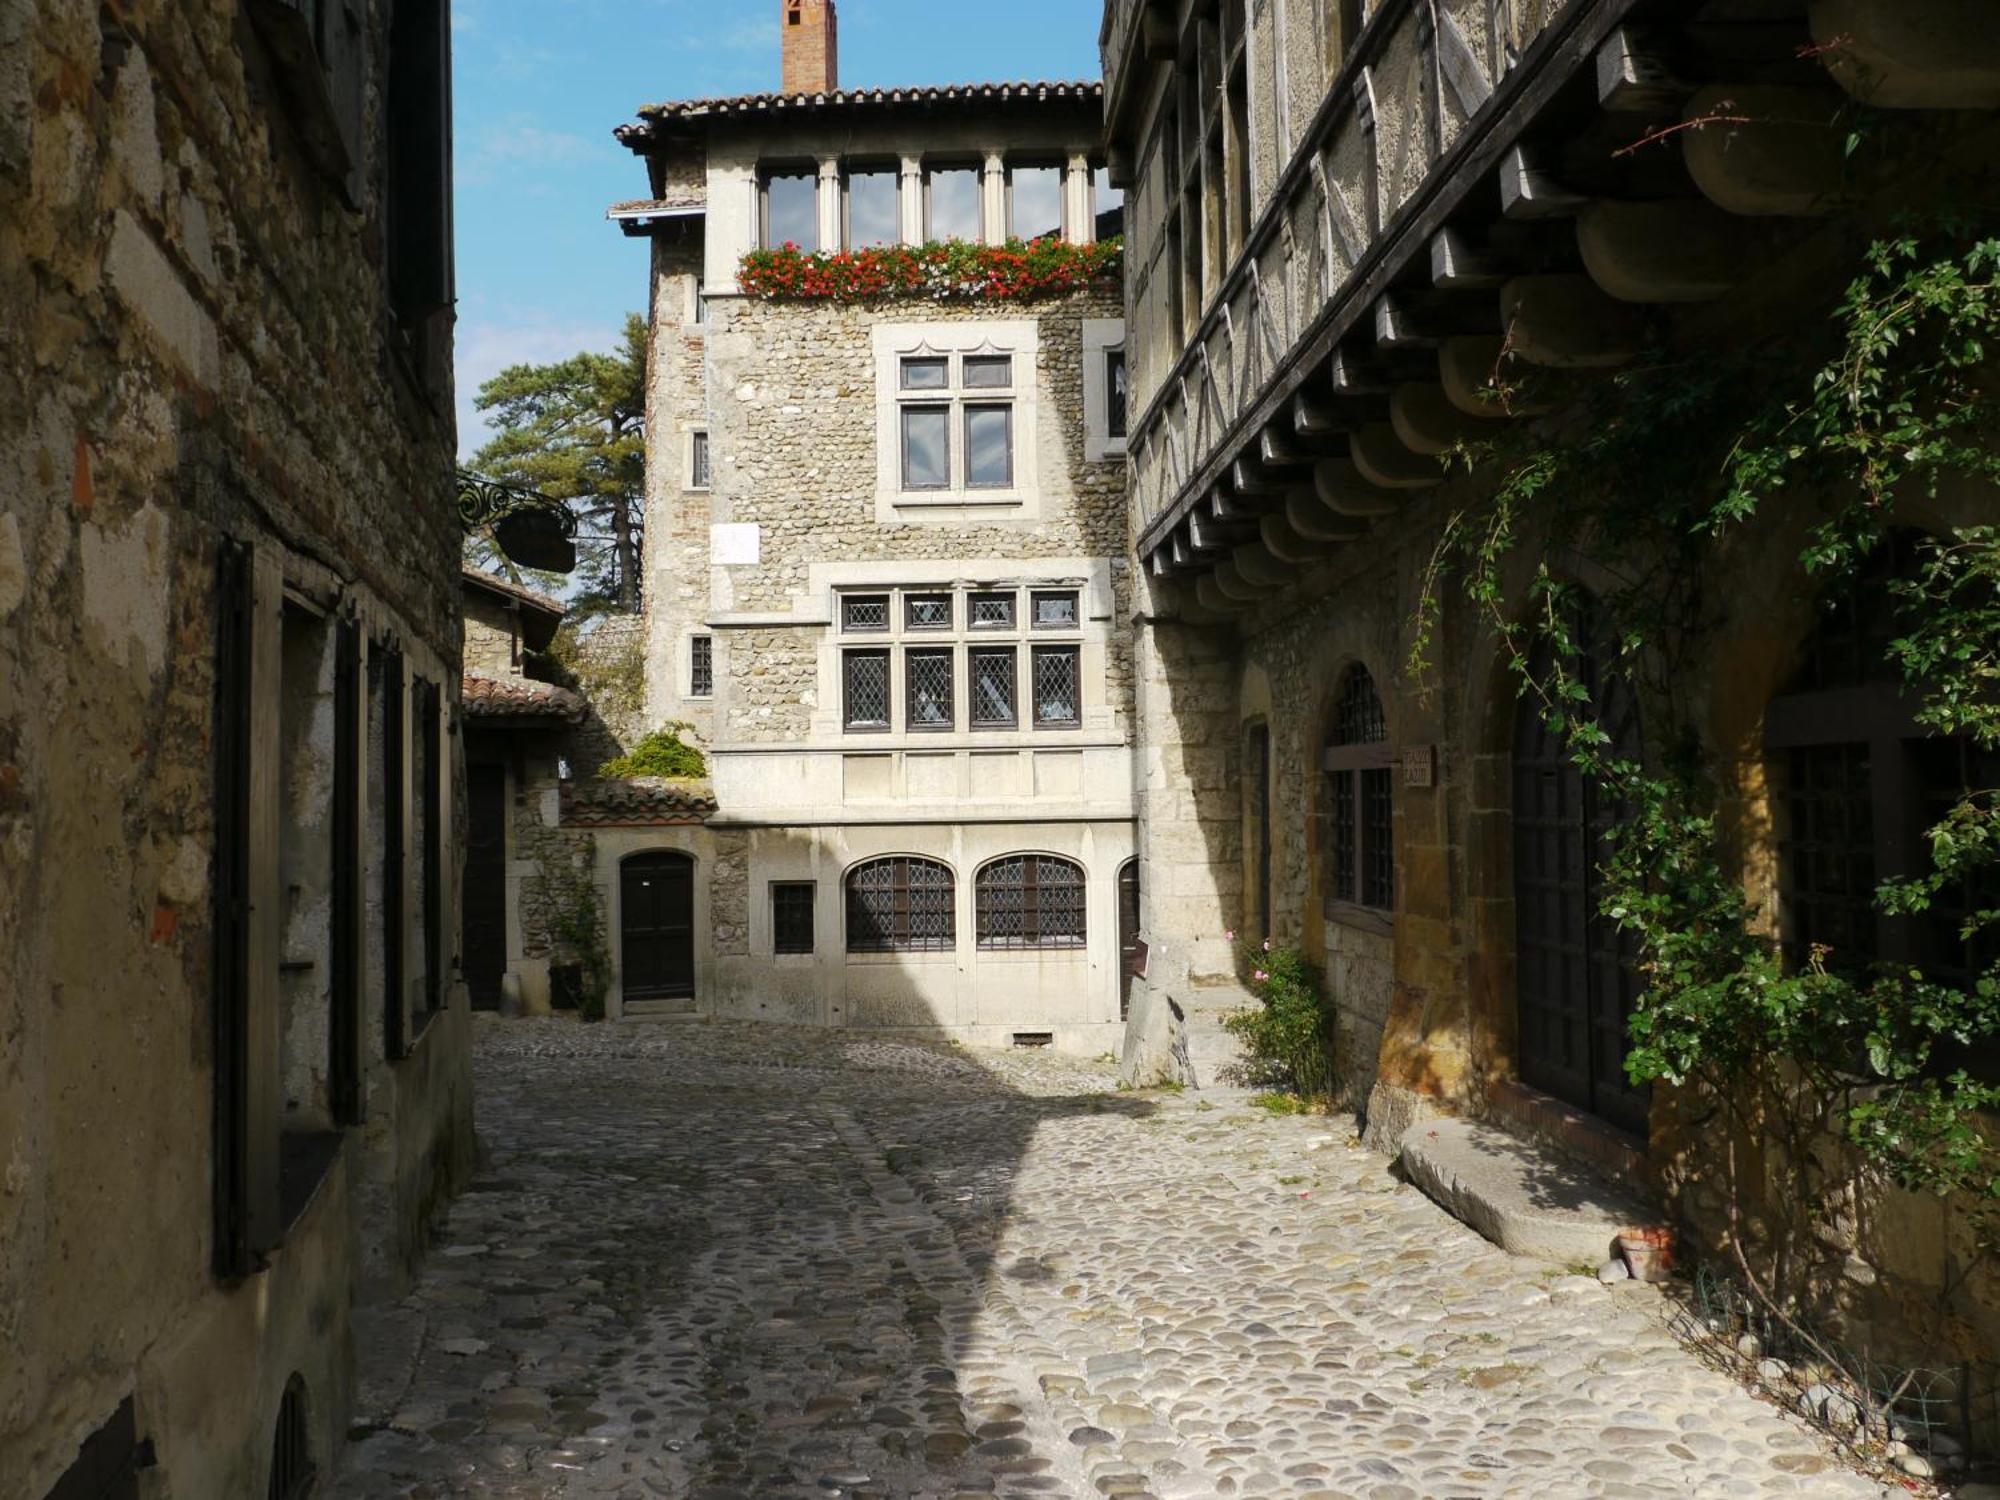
{"x":1420,"y":765}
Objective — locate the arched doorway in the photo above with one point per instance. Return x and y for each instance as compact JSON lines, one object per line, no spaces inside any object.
{"x":1576,"y":979}
{"x":656,"y":926}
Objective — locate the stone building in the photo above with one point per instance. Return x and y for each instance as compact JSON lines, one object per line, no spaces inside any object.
{"x":885,"y":572}
{"x":233,"y":1087}
{"x":1344,"y":221}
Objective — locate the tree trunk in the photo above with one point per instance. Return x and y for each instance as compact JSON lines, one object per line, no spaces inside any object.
{"x":628,"y":560}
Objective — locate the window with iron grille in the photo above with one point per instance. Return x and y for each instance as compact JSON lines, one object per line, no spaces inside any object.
{"x":1030,"y":901}
{"x":993,"y":688}
{"x":928,"y":688}
{"x":1055,"y":611}
{"x":864,"y":612}
{"x":698,"y":461}
{"x":927,"y":611}
{"x":292,"y":1472}
{"x":992,"y":611}
{"x":1058,"y":703}
{"x":865,"y":689}
{"x":792,"y":904}
{"x":701,"y":666}
{"x":1361,"y":808}
{"x":901,"y":904}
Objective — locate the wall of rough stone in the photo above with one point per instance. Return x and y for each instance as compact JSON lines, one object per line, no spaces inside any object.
{"x":197,"y":345}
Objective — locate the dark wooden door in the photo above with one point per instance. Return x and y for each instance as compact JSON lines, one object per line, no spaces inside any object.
{"x":485,"y":896}
{"x":1128,"y":933}
{"x":657,"y":918}
{"x":1576,"y":976}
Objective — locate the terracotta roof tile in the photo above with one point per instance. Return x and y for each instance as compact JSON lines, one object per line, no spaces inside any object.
{"x":635,"y":804}
{"x":739,"y":106}
{"x":480,"y":579}
{"x":519,"y":698}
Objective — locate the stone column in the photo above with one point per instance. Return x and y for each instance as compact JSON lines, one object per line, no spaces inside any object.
{"x":993,"y":195}
{"x":831,"y":236}
{"x":1079,"y":221}
{"x":910,"y":199}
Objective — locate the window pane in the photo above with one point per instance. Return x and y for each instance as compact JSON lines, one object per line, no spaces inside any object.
{"x":992,"y":611}
{"x":989,"y":372}
{"x":1030,"y":901}
{"x":698,"y":468}
{"x":791,"y":212}
{"x":1056,"y":676}
{"x":926,"y":443}
{"x":867,"y":689}
{"x":701,"y":668}
{"x":1108,"y":204}
{"x":926,"y":374}
{"x":1037,"y":202}
{"x":928,"y":611}
{"x":1346,"y":836}
{"x":993,"y":687}
{"x":900,"y":905}
{"x":792,"y":916}
{"x":864,"y":612}
{"x":930,"y":705}
{"x":1358,"y":718}
{"x":873,"y":217}
{"x":1114,"y":393}
{"x":1056,"y":611}
{"x":954,"y":195}
{"x":989,"y":446}
{"x":1378,"y":845}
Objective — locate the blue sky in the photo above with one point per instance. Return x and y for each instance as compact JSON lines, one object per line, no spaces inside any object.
{"x":540,"y":84}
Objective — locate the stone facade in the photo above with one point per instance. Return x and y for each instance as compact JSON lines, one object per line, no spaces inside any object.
{"x":216,"y":363}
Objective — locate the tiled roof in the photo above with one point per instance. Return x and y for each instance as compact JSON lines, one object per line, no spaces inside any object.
{"x":637,"y":207}
{"x":740,"y":106}
{"x":480,"y":579}
{"x":520,"y":698}
{"x":635,"y":804}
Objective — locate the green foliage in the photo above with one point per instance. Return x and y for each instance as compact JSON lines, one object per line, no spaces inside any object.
{"x":1289,"y":1035}
{"x":575,"y":431}
{"x":941,"y":271}
{"x":615,"y":683}
{"x":576,"y":926}
{"x":1648,"y":482}
{"x":660,"y":754}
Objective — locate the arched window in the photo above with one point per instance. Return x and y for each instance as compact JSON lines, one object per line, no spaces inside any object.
{"x":1361,"y":849}
{"x":292,"y":1471}
{"x":1030,"y":901}
{"x":901,"y":904}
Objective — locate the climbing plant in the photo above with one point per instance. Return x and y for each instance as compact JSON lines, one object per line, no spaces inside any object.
{"x":1649,"y":479}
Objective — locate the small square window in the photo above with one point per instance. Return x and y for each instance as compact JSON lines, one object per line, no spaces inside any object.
{"x":993,"y":687}
{"x":866,"y":689}
{"x":1057,"y":681}
{"x":926,"y":447}
{"x":993,"y":611}
{"x":926,"y":374}
{"x":792,"y":904}
{"x":989,"y":372}
{"x":927,"y":612}
{"x":864,"y":612}
{"x":1055,"y":611}
{"x":930,"y":695}
{"x":701,"y":667}
{"x":698,"y":474}
{"x":989,"y":447}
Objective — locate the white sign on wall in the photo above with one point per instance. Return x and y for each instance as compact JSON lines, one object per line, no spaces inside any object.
{"x":735,"y":545}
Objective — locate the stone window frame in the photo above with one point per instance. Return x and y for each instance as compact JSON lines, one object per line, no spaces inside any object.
{"x":700,"y":460}
{"x":700,"y":673}
{"x":1347,"y":766}
{"x":1101,"y":338}
{"x":959,"y":501}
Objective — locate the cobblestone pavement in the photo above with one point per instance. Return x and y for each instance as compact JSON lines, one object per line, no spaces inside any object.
{"x":715,"y":1262}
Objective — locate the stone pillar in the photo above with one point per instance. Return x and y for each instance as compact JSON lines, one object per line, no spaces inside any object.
{"x":832,"y":234}
{"x":1079,"y":220}
{"x":993,"y":197}
{"x":910,"y":199}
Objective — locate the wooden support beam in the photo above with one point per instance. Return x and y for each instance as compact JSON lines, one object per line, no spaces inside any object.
{"x":1206,"y":537}
{"x":1457,"y":267}
{"x":1276,"y":451}
{"x":1248,"y":476}
{"x":1634,"y":78}
{"x":1530,"y":189}
{"x":1397,"y":328}
{"x":1312,"y":418}
{"x":1355,"y":375}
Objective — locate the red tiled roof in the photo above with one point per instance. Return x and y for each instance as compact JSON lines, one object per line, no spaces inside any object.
{"x":772,"y":105}
{"x":635,"y":804}
{"x":498,"y":585}
{"x":520,"y":698}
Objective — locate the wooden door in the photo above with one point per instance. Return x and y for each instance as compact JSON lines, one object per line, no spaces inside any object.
{"x":484,"y":901}
{"x":657,"y":926}
{"x":1128,"y":933}
{"x":1576,"y":977}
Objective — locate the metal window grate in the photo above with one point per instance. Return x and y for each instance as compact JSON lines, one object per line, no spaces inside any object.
{"x":1115,"y":394}
{"x":1947,"y":770}
{"x":1056,"y":682}
{"x":992,"y":611}
{"x":1828,"y":856}
{"x":1055,"y":611}
{"x":698,"y":475}
{"x":1378,"y":847}
{"x":292,"y":1472}
{"x":701,"y":667}
{"x":1346,"y":837}
{"x":927,"y":611}
{"x":867,"y":689}
{"x":929,"y":685}
{"x":1030,"y":901}
{"x":901,"y":904}
{"x":864,"y":612}
{"x":792,"y":903}
{"x":993,"y":686}
{"x":1358,"y":718}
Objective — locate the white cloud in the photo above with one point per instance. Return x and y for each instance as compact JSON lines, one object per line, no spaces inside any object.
{"x":489,"y":344}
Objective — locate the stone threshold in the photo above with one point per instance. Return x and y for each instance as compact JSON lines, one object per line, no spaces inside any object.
{"x":1596,"y":1142}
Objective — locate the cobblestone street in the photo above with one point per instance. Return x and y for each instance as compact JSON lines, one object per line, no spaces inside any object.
{"x":716,"y":1262}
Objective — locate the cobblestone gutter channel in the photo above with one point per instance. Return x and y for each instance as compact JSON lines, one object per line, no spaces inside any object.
{"x":728,"y":1262}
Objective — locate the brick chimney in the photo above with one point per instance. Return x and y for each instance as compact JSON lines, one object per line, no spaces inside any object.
{"x":812,"y":46}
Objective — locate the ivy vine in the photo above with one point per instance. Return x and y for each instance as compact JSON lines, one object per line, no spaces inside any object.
{"x":1648,"y":478}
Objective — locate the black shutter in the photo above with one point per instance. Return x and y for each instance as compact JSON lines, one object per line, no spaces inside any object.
{"x":344,"y":1021}
{"x":430,"y":727}
{"x":235,"y":627}
{"x":395,"y":815}
{"x":419,"y":146}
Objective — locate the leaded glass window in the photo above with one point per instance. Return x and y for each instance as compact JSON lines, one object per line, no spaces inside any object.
{"x":929,"y":689}
{"x":992,"y":611}
{"x":1361,"y":810}
{"x":927,"y":611}
{"x":901,"y":904}
{"x":1057,"y":681}
{"x":864,"y":612}
{"x":701,"y":666}
{"x":1030,"y":901}
{"x":993,"y":685}
{"x":866,"y":689}
{"x":1056,"y":610}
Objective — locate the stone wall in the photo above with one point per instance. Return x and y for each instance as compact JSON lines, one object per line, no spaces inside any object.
{"x":198,"y":346}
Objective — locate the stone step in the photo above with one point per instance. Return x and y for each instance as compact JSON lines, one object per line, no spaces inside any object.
{"x":1525,"y":1197}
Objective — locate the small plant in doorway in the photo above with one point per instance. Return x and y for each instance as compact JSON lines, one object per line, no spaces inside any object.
{"x":1289,"y":1033}
{"x":582,"y":966}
